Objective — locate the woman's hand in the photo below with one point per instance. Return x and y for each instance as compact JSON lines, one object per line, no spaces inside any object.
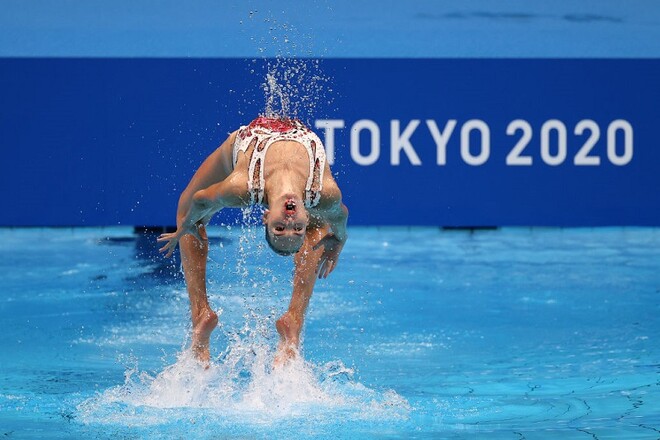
{"x":332,"y":247}
{"x":173,"y":238}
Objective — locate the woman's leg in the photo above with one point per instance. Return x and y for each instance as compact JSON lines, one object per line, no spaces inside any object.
{"x":290,"y":324}
{"x":204,"y":319}
{"x":194,"y":253}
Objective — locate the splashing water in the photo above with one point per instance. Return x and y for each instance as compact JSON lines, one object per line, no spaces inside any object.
{"x":240,"y":393}
{"x":294,"y":87}
{"x":275,"y":95}
{"x":293,"y":82}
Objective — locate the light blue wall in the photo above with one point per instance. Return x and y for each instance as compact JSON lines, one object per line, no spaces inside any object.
{"x":325,"y":28}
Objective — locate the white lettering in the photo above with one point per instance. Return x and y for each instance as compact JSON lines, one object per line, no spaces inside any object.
{"x":626,"y":128}
{"x":441,"y":138}
{"x":329,"y":126}
{"x":482,"y":157}
{"x":401,"y":141}
{"x":515,"y":156}
{"x":582,"y":157}
{"x":559,"y":127}
{"x":475,"y":147}
{"x":372,"y":127}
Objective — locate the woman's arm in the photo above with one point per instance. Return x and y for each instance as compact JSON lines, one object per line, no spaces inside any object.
{"x":231,"y":192}
{"x":331,"y":211}
{"x":331,"y":217}
{"x":192,"y":210}
{"x":337,"y":221}
{"x":196,"y":203}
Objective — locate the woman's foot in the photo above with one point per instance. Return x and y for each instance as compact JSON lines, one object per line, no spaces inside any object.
{"x":203,"y":326}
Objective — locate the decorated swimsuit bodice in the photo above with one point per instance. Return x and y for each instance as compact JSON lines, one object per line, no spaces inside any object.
{"x":261,"y":134}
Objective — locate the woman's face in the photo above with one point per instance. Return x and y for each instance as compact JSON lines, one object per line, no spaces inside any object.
{"x":286,"y":226}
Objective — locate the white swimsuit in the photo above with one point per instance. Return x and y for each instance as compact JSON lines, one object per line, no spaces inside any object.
{"x":264,"y":132}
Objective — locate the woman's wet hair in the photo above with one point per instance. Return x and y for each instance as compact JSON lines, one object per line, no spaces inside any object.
{"x":278,"y":251}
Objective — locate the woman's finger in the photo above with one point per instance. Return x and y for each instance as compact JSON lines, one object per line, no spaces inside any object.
{"x":169,"y":248}
{"x":326,"y":268}
{"x":329,"y":268}
{"x":172,"y":246}
{"x":319,"y":271}
{"x":319,"y":244}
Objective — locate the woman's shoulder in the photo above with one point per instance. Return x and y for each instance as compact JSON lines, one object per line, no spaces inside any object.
{"x":330,"y":195}
{"x":235,"y":189}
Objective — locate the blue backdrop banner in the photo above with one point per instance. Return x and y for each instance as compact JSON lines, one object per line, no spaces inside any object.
{"x":448,"y":142}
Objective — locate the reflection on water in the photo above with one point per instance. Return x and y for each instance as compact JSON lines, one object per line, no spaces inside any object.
{"x":147,"y":255}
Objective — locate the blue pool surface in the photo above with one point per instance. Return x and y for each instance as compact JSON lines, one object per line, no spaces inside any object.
{"x":420,"y":333}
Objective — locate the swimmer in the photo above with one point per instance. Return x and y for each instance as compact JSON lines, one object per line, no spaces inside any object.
{"x":280,"y":164}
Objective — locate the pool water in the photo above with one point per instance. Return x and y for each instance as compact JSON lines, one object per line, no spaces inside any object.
{"x":419,"y":333}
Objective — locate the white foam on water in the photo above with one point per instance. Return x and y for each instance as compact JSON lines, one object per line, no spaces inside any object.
{"x":241,"y":385}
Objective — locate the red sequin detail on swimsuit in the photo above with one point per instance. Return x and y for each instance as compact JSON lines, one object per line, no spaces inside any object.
{"x":275,"y":124}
